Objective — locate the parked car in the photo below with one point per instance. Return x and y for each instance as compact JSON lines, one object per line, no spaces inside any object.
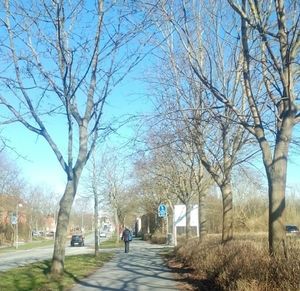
{"x":35,"y":233}
{"x":102,"y":234}
{"x":77,"y":240}
{"x":293,"y":229}
{"x":50,"y":233}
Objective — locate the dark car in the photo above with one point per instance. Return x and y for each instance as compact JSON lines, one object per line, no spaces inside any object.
{"x":77,"y":240}
{"x":292,"y":229}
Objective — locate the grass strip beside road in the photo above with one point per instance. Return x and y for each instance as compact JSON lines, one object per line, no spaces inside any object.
{"x":111,"y":243}
{"x":37,"y":276}
{"x":28,"y":245}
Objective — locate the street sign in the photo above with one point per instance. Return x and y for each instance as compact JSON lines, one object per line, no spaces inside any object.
{"x":13,"y":219}
{"x":162,"y":210}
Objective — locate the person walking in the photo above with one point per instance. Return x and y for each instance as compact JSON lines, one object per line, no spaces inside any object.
{"x":126,"y":237}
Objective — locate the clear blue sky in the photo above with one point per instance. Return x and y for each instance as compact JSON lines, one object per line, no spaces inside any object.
{"x":41,"y":166}
{"x":38,"y":163}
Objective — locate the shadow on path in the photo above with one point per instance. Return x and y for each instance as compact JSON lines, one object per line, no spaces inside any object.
{"x":140,"y":269}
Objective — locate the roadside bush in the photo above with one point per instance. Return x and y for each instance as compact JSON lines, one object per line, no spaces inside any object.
{"x":146,"y":236}
{"x":241,"y":265}
{"x":158,"y":238}
{"x":6,"y":234}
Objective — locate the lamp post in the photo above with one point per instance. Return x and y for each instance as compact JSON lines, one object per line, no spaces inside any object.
{"x":17,"y":224}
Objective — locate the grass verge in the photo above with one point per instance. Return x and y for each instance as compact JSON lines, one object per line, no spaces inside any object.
{"x":111,"y":243}
{"x":37,"y":276}
{"x":29,"y":245}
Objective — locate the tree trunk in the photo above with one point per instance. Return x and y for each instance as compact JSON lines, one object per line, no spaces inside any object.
{"x":117,"y":227}
{"x":201,"y":217}
{"x":276,"y":170}
{"x":96,"y":222}
{"x":188,"y":220}
{"x":61,"y":228}
{"x":277,"y":184}
{"x":277,"y":236}
{"x":227,"y":228}
{"x":148,"y":223}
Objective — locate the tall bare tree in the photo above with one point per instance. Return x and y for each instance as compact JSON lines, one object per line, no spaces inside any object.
{"x":260,"y":41}
{"x":172,"y":163}
{"x":62,"y":61}
{"x":93,"y":185}
{"x":39,"y":204}
{"x":270,"y":44}
{"x":210,"y":127}
{"x":11,"y":181}
{"x":114,"y":180}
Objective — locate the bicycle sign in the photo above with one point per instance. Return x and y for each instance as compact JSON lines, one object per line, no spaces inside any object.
{"x":162,"y":210}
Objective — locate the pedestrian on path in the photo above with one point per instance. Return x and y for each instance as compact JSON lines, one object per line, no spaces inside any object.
{"x":126,"y":237}
{"x":145,"y":271}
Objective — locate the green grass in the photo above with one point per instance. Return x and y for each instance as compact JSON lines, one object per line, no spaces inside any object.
{"x":37,"y":276}
{"x":28,"y":245}
{"x":111,"y":243}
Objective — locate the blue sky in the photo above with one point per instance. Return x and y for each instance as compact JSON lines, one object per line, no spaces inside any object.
{"x":38,"y":163}
{"x":40,"y":167}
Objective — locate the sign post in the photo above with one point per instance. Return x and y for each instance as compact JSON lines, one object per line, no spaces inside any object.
{"x":163,"y":213}
{"x":13,"y":219}
{"x":162,"y":210}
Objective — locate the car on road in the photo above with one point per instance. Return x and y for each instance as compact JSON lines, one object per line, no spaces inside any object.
{"x":292,"y":229}
{"x":77,"y":240}
{"x":36,"y":233}
{"x":50,"y":233}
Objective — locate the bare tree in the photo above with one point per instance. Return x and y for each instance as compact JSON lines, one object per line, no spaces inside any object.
{"x":114,"y":180}
{"x":270,"y":43}
{"x":94,"y":188}
{"x":11,"y":181}
{"x":174,"y":164}
{"x":152,"y":186}
{"x":62,"y":61}
{"x":210,"y":127}
{"x":40,"y":203}
{"x":263,"y":50}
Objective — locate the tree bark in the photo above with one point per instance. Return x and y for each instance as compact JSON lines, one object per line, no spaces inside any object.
{"x":201,"y":217}
{"x":188,"y":219}
{"x":276,"y":173}
{"x":227,"y":228}
{"x":62,"y":227}
{"x":277,"y":236}
{"x":96,"y":221}
{"x":117,"y":226}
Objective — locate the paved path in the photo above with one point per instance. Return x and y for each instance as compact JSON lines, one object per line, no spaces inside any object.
{"x":141,"y":269}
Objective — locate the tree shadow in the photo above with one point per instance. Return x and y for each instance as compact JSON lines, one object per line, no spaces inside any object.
{"x":187,"y":275}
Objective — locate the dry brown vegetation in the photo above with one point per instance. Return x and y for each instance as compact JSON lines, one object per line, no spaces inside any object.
{"x":241,"y":264}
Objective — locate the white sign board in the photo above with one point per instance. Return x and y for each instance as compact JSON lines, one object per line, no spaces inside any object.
{"x":180,"y":215}
{"x":13,"y":219}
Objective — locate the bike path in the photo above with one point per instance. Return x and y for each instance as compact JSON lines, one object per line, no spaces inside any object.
{"x":142,"y":269}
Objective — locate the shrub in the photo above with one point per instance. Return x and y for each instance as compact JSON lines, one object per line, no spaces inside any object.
{"x":158,"y":239}
{"x":146,"y":236}
{"x":241,"y":264}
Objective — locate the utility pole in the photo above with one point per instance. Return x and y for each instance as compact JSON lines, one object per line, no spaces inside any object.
{"x":17,"y":224}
